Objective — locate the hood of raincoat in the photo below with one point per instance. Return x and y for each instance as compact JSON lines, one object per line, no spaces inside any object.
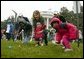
{"x":55,"y":20}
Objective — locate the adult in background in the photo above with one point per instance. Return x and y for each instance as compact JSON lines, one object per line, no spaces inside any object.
{"x":25,"y":28}
{"x":9,"y":30}
{"x":38,"y":18}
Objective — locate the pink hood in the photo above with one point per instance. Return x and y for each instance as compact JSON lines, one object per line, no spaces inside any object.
{"x":54,"y":19}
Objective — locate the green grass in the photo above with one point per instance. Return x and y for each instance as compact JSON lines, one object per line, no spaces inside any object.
{"x":31,"y":51}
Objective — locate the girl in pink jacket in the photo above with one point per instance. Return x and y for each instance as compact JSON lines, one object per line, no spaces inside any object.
{"x":38,"y":34}
{"x":65,"y":33}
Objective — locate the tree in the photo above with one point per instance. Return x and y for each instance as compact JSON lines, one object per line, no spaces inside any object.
{"x":3,"y":24}
{"x":71,"y":17}
{"x":65,"y":12}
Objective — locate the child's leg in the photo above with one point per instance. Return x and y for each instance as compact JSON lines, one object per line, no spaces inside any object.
{"x":45,"y":39}
{"x":58,"y":38}
{"x":41,"y":41}
{"x":15,"y":37}
{"x":27,"y":38}
{"x":36,"y":42}
{"x":66,"y":42}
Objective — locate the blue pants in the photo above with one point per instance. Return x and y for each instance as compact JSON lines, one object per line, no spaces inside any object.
{"x":26,"y":39}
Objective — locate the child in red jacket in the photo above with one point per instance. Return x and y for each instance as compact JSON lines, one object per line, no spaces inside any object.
{"x":38,"y":34}
{"x":64,"y":33}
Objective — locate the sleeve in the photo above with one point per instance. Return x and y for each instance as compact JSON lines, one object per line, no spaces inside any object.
{"x":44,"y":26}
{"x":33,"y":23}
{"x":42,"y":20}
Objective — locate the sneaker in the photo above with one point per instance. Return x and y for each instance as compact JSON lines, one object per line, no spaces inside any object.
{"x":41,"y":44}
{"x":53,"y":42}
{"x":67,"y":50}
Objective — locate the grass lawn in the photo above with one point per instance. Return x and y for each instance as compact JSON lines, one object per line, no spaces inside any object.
{"x":31,"y":51}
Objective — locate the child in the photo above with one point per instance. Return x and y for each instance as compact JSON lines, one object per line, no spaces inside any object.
{"x":64,"y":34}
{"x":9,"y":30}
{"x":52,"y":35}
{"x":38,"y":34}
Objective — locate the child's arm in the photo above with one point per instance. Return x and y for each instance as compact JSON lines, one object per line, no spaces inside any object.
{"x":40,"y":32}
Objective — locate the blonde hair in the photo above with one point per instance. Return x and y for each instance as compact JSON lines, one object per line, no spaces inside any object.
{"x":36,"y":12}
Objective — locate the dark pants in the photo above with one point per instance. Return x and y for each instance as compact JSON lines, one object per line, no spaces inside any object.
{"x":45,"y":37}
{"x":39,"y":40}
{"x":8,"y":36}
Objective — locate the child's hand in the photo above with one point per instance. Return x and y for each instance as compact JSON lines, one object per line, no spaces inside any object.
{"x":39,"y":32}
